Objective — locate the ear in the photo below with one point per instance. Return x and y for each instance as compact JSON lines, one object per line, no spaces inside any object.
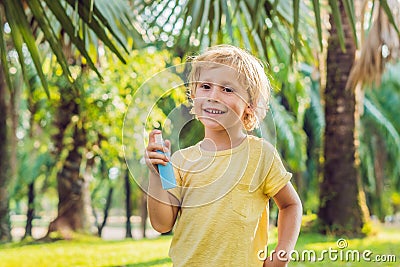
{"x":249,"y":109}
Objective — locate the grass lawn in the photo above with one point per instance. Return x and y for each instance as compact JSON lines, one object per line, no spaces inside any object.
{"x":91,"y":251}
{"x":87,"y":251}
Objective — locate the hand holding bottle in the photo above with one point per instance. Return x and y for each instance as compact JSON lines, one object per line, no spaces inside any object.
{"x":157,"y":155}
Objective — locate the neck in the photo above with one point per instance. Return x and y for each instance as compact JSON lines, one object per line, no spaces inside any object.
{"x":222,"y":140}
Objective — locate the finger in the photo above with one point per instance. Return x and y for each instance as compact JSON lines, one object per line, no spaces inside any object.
{"x":155,"y":146}
{"x":168,"y":145}
{"x":156,"y":155}
{"x":157,"y":162}
{"x":152,"y":139}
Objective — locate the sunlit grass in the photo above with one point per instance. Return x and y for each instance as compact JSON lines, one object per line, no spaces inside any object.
{"x":91,"y":251}
{"x":88,"y":252}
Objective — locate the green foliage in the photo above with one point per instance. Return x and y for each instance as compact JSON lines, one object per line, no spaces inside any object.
{"x":293,"y":145}
{"x":380,"y":143}
{"x":395,"y":201}
{"x":102,"y":106}
{"x":263,"y":27}
{"x":117,"y":112}
{"x":367,"y":228}
{"x":50,"y":17}
{"x":33,"y":132}
{"x":20,"y":34}
{"x":314,"y":125}
{"x":274,"y":30}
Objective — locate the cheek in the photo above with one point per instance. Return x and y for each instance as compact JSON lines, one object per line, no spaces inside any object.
{"x":241,"y":108}
{"x":198,"y":95}
{"x":197,"y":104}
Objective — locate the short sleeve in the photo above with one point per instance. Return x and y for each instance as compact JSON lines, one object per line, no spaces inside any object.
{"x":277,"y":176}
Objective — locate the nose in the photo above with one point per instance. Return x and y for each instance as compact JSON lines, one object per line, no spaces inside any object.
{"x":214,"y":94}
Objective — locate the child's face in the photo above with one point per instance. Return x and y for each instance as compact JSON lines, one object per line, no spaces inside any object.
{"x":220,"y":98}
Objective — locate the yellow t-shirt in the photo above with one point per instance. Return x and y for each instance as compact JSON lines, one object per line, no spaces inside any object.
{"x":223,"y":219}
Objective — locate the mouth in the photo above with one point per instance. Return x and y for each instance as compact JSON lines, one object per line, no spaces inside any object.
{"x":213,"y":111}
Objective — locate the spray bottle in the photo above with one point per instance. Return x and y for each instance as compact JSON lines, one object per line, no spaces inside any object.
{"x":166,"y":172}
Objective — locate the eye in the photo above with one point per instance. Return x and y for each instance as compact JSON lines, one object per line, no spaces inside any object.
{"x":228,"y":90}
{"x":205,"y":86}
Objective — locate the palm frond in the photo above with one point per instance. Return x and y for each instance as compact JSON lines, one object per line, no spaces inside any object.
{"x":3,"y":54}
{"x":338,"y":22}
{"x":384,"y":129}
{"x":349,"y":8}
{"x":383,"y":122}
{"x":85,"y":15}
{"x":51,"y":37}
{"x":253,"y":25}
{"x":381,"y":46}
{"x":21,"y":33}
{"x":380,"y":121}
{"x":388,"y":7}
{"x":318,"y":23}
{"x":366,"y":153}
{"x":98,"y":24}
{"x":291,"y":138}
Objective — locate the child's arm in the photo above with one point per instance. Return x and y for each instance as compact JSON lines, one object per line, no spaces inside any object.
{"x":289,"y":222}
{"x":162,"y":206}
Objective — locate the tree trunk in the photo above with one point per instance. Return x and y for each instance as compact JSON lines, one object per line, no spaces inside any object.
{"x":106,"y":209}
{"x":14,"y":120}
{"x":5,"y":227}
{"x":342,"y":204}
{"x":72,"y":188}
{"x":143,"y":214}
{"x":74,"y":207}
{"x":31,"y":209}
{"x":128,"y":205}
{"x":299,"y":183}
{"x":31,"y":187}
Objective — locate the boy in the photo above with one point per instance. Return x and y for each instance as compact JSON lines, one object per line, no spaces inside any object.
{"x":225,"y":181}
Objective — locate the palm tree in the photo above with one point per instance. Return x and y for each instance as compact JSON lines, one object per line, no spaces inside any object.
{"x":25,"y":20}
{"x":263,"y":27}
{"x":274,"y":30}
{"x":341,"y":202}
{"x":341,"y":188}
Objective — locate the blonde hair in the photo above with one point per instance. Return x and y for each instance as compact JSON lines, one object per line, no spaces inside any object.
{"x":252,"y":75}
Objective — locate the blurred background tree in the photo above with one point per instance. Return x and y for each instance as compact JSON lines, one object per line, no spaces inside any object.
{"x":282,"y":34}
{"x":35,"y":25}
{"x":65,"y":141}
